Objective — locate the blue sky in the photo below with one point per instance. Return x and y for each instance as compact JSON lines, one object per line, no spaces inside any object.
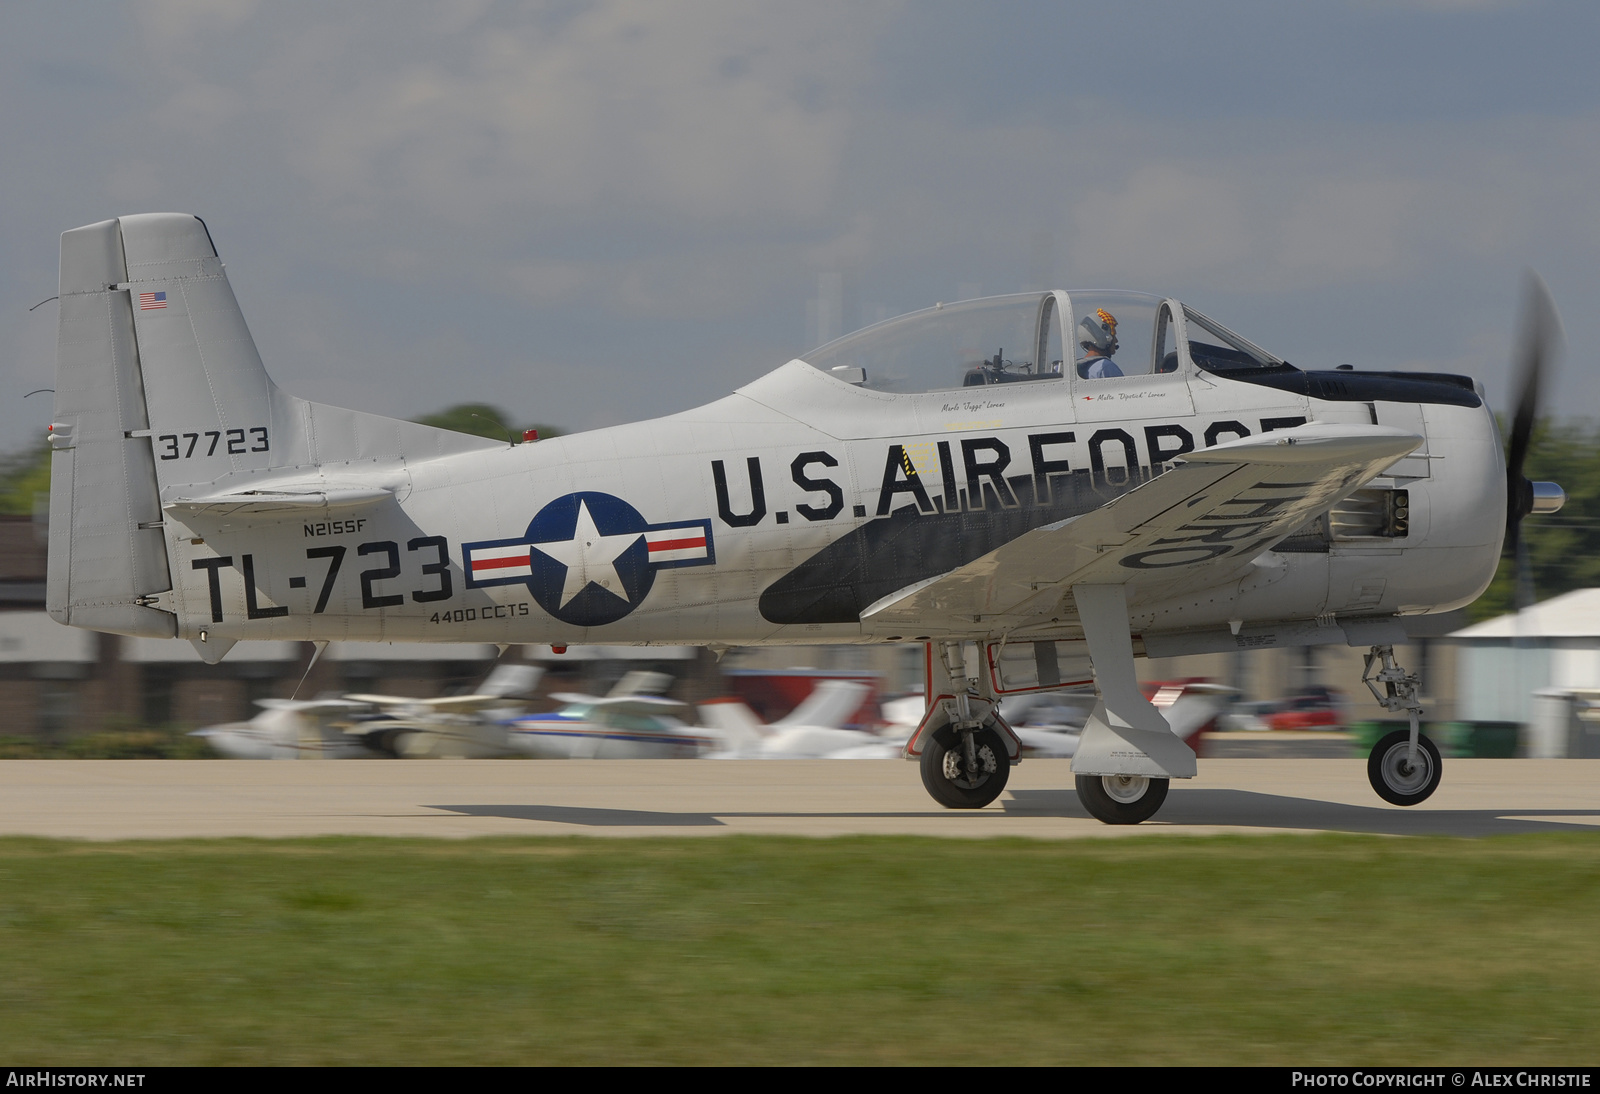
{"x":597,"y":212}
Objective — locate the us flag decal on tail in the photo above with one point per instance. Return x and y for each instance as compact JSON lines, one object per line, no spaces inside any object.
{"x":149,"y":300}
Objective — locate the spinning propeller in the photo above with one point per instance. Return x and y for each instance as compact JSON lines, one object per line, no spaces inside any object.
{"x":1540,"y":342}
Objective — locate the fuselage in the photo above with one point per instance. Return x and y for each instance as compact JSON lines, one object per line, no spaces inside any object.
{"x":819,"y":503}
{"x":779,"y":513}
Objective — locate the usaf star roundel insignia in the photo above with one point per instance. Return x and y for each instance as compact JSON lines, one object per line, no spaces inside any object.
{"x":589,"y":558}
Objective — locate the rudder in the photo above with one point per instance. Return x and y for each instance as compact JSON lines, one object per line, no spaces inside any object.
{"x":107,"y":551}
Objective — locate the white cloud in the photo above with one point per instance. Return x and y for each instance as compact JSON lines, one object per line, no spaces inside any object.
{"x":1449,"y":6}
{"x":184,"y":24}
{"x":549,"y":174}
{"x":1339,"y":206}
{"x":664,"y":286}
{"x":624,"y":109}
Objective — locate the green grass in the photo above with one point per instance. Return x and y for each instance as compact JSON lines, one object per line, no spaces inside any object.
{"x":1272,"y":950}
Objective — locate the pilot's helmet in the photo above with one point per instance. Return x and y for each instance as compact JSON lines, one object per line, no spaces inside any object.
{"x":1098,"y":331}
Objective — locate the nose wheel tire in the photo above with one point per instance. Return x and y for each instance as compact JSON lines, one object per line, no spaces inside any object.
{"x":958,"y":782}
{"x":1121,"y":799}
{"x":1396,"y":779}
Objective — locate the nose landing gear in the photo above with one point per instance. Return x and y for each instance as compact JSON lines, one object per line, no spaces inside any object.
{"x":1404,"y":767}
{"x":1398,"y":779}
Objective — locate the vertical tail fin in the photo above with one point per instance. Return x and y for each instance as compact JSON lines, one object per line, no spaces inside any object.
{"x":829,"y":704}
{"x":159,"y":388}
{"x":511,"y":680}
{"x":106,"y":545}
{"x":213,"y":409}
{"x":204,"y":385}
{"x":734,"y":722}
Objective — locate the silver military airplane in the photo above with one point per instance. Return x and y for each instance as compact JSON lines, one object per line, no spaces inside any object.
{"x":1038,"y":487}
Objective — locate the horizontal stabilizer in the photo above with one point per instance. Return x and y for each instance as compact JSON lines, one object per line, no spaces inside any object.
{"x":288,"y":500}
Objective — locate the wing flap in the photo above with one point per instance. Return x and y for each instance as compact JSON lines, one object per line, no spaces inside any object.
{"x":1196,"y":525}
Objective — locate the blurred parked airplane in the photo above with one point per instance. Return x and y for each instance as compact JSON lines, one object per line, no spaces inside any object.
{"x":634,"y":721}
{"x":371,"y":726}
{"x":294,"y":729}
{"x":813,"y":730}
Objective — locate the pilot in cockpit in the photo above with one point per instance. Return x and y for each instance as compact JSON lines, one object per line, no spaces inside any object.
{"x":1097,"y":337}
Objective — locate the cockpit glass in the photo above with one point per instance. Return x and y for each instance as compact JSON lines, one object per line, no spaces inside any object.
{"x":969,"y":344}
{"x":1018,"y":339}
{"x":1215,"y":348}
{"x":1113,"y":334}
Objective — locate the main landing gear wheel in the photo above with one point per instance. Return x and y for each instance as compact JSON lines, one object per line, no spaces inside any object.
{"x":1396,"y":779}
{"x":959,"y":781}
{"x":1121,"y":799}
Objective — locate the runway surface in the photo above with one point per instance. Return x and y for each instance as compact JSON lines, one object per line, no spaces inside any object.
{"x":164,"y":799}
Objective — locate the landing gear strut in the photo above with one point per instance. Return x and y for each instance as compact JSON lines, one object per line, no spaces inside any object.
{"x":965,"y":763}
{"x":1404,"y":768}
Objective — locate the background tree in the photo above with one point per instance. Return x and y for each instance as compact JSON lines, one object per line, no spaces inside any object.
{"x":1563,"y":549}
{"x":23,"y":476}
{"x":482,"y":420}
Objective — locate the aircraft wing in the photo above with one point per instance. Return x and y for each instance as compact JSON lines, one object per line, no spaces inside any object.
{"x":460,"y":704}
{"x":623,"y":704}
{"x":309,"y":706}
{"x":1197,"y":525}
{"x":452,"y":704}
{"x":496,"y":691}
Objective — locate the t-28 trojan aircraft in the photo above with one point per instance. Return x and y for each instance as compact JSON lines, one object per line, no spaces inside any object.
{"x":1039,"y":487}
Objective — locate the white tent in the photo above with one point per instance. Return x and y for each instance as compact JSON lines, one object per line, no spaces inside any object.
{"x":1503,"y":661}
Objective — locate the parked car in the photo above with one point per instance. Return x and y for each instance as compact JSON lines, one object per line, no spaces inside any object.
{"x":1319,"y":709}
